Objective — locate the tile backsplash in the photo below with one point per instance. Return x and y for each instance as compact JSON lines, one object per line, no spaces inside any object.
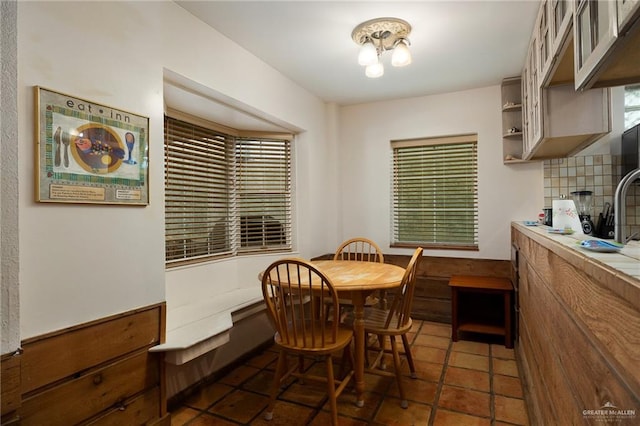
{"x":597,"y":173}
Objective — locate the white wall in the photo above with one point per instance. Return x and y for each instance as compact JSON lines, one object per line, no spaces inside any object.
{"x":506,"y":193}
{"x":82,"y":262}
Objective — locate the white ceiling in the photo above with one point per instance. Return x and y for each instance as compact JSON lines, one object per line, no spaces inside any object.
{"x":456,"y":45}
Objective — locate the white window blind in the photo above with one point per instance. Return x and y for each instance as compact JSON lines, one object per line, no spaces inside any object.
{"x":263,"y":193}
{"x":223,"y":194}
{"x":435,"y":192}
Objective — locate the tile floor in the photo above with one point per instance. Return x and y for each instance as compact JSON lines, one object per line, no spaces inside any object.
{"x":459,"y":383}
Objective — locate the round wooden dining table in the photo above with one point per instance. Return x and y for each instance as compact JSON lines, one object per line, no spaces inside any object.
{"x":357,"y":280}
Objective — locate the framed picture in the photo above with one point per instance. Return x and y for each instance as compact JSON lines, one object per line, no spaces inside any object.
{"x":89,"y":153}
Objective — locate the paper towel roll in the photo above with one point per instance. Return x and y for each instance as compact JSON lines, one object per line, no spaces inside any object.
{"x":565,"y":215}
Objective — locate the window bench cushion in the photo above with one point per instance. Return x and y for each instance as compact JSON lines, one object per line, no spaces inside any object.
{"x":197,"y":328}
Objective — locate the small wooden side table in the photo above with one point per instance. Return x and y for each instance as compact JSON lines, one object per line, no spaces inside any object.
{"x":472,"y":284}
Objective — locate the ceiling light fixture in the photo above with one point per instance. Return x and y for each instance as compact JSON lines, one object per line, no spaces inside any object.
{"x":379,"y":35}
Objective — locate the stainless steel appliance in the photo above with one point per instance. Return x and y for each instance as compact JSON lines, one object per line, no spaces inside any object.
{"x":583,"y":200}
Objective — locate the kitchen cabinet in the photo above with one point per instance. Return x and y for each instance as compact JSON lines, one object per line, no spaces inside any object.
{"x":606,"y":43}
{"x":544,"y":35}
{"x":578,"y":333}
{"x":558,"y":69}
{"x":511,"y":89}
{"x":561,"y":14}
{"x":558,"y":121}
{"x":568,"y":121}
{"x":532,"y":126}
{"x":626,"y":10}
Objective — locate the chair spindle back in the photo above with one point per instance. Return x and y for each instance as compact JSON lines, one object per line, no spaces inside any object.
{"x":291,"y":288}
{"x":400,"y":313}
{"x":359,"y":249}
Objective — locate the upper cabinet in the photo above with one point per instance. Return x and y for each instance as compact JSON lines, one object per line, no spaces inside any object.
{"x":607,"y":43}
{"x":570,"y":121}
{"x":627,"y":10}
{"x":557,"y":120}
{"x":558,"y":69}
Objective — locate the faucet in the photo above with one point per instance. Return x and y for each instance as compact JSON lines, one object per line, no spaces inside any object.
{"x":620,"y":205}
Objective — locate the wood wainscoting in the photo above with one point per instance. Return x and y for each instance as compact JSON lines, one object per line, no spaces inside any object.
{"x":579,"y":340}
{"x":99,"y":372}
{"x":10,"y":387}
{"x":432,"y":298}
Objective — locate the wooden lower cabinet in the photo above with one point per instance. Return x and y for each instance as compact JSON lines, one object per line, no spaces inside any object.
{"x":579,"y":342}
{"x":97,"y":373}
{"x":140,"y":410}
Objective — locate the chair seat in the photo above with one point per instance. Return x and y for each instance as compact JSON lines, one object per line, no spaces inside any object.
{"x":375,"y":320}
{"x":313,"y":343}
{"x":287,"y":287}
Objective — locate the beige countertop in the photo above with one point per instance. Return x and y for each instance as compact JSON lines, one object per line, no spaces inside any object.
{"x":619,"y":271}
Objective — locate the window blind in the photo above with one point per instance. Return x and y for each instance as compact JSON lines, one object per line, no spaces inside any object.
{"x":224,"y":195}
{"x":197,"y":191}
{"x":435,"y":192}
{"x":263,"y":193}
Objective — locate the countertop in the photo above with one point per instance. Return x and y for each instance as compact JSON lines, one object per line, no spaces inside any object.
{"x":619,"y":271}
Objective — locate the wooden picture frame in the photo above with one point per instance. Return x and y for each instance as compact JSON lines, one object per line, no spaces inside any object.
{"x":89,"y":153}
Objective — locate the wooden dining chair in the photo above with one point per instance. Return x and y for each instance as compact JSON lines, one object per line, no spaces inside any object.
{"x":391,"y":323}
{"x":302,"y":329}
{"x":362,"y":250}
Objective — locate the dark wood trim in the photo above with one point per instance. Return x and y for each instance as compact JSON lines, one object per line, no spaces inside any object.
{"x":54,"y":333}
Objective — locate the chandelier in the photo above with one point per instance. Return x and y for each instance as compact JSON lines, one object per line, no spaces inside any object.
{"x":379,"y":35}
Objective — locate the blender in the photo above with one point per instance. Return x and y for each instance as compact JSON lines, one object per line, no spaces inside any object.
{"x":583,"y":200}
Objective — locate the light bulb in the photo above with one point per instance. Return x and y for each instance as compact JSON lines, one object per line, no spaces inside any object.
{"x":375,"y":70}
{"x":368,"y":54}
{"x":401,"y":55}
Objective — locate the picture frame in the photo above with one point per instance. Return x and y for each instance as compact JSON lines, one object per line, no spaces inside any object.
{"x":88,"y":153}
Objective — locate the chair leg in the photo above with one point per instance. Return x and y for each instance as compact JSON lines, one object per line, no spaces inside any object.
{"x":396,"y":366}
{"x":331,"y":391}
{"x":383,"y":362}
{"x":407,"y":352}
{"x":275,"y":387}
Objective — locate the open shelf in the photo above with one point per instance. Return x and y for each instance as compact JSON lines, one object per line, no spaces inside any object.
{"x":511,"y":97}
{"x":512,"y":135}
{"x":517,"y":107}
{"x":474,"y":327}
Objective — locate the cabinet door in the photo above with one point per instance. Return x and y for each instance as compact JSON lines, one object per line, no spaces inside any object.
{"x":559,"y":68}
{"x":561,"y":16}
{"x":535,"y":124}
{"x":525,"y":108}
{"x":625,"y":9}
{"x":595,"y":31}
{"x":544,"y":36}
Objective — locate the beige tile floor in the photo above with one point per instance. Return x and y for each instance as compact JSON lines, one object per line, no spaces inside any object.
{"x":459,"y":383}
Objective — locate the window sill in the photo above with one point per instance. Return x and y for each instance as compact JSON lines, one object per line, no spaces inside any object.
{"x":432,"y":246}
